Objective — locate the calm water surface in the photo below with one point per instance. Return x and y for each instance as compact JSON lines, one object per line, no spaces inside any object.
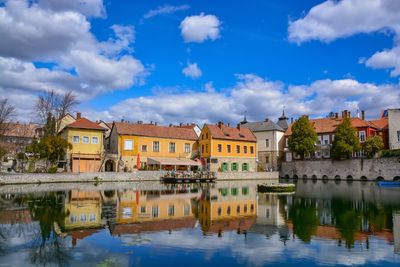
{"x":226,"y":224}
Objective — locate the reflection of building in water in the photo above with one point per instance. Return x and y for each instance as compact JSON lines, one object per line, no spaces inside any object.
{"x":154,"y":211}
{"x":228,"y":209}
{"x":269,"y":213}
{"x":396,"y":231}
{"x":83,"y":209}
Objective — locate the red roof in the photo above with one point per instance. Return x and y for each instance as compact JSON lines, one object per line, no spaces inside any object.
{"x":329,"y":125}
{"x":382,"y":123}
{"x":152,"y":130}
{"x":234,"y":224}
{"x":231,"y":133}
{"x":83,"y":123}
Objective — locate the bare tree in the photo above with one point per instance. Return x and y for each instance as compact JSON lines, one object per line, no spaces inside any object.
{"x":7,"y":113}
{"x":55,"y":105}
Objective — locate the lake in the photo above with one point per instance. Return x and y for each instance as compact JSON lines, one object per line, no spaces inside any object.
{"x":223,"y":224}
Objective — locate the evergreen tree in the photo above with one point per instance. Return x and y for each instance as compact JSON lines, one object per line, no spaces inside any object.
{"x":303,"y":138}
{"x":346,"y":141}
{"x":50,"y":128}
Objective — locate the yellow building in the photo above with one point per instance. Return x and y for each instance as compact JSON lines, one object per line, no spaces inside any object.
{"x":228,"y":209}
{"x":225,"y":148}
{"x":87,"y":140}
{"x":157,"y":147}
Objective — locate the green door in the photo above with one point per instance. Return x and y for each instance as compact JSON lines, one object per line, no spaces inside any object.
{"x":224,"y":167}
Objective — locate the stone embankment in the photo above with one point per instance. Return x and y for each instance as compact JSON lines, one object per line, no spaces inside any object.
{"x":353,"y":169}
{"x":37,"y":178}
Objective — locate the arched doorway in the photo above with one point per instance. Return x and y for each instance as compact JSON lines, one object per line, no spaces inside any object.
{"x":110,"y":166}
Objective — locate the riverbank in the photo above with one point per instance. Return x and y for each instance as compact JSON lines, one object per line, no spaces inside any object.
{"x":38,"y":178}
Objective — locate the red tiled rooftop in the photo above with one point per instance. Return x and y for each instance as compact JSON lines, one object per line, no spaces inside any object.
{"x":21,"y":130}
{"x":329,"y":125}
{"x":231,"y":133}
{"x":382,"y":123}
{"x":83,"y":123}
{"x":152,"y":130}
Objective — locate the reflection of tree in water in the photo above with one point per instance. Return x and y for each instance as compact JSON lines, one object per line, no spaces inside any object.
{"x":48,"y":247}
{"x":303,"y":214}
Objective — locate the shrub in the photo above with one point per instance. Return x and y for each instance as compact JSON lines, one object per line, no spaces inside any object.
{"x":52,"y":169}
{"x":372,"y":145}
{"x":390,"y":153}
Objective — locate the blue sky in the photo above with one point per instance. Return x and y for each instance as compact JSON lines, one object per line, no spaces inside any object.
{"x":182,"y":61}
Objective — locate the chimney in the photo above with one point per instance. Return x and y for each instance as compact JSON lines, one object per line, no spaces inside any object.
{"x":363,"y":115}
{"x":180,"y":124}
{"x":122,"y":120}
{"x":151,"y":122}
{"x":349,"y":114}
{"x":229,"y":124}
{"x":238,"y":126}
{"x":336,"y":115}
{"x":220,"y":123}
{"x":155,"y":123}
{"x":78,"y":115}
{"x":291,"y":120}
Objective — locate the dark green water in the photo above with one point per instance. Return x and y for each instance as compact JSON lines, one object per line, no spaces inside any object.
{"x":226,"y":224}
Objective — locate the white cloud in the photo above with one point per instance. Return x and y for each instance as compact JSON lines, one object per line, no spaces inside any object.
{"x":67,"y":55}
{"x":261,"y":98}
{"x":166,"y":9}
{"x":335,"y":19}
{"x":92,"y":8}
{"x":199,"y":28}
{"x":331,"y":20}
{"x":192,"y":70}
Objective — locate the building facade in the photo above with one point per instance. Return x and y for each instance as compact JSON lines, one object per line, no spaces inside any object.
{"x":394,"y":128}
{"x":154,"y":147}
{"x":87,"y":150}
{"x":17,"y":136}
{"x":270,"y":143}
{"x":224,"y":148}
{"x":326,"y":128}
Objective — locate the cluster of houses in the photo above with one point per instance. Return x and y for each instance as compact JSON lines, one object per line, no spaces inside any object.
{"x":246,"y":147}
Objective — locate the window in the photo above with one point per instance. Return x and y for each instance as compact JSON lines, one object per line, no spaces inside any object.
{"x":245,"y":167}
{"x":219,"y":211}
{"x":252,"y":150}
{"x":128,"y":145}
{"x":187,"y":148}
{"x":238,"y":209}
{"x":202,"y":148}
{"x":73,"y":218}
{"x":398,"y":136}
{"x":206,"y":135}
{"x":245,"y":149}
{"x":361,"y":136}
{"x":186,"y":210}
{"x":238,"y":149}
{"x":267,"y":143}
{"x":92,"y":217}
{"x":144,"y":148}
{"x":76,"y":139}
{"x":228,"y":148}
{"x":234,"y":191}
{"x":83,"y":218}
{"x":171,"y":147}
{"x":95,"y":140}
{"x":267,"y":159}
{"x":224,"y":167}
{"x":267,"y":213}
{"x":245,"y":208}
{"x":171,"y":210}
{"x":287,"y":142}
{"x":252,"y":208}
{"x":219,"y":148}
{"x":154,"y":211}
{"x":325,"y":139}
{"x":156,"y":146}
{"x":228,"y":210}
{"x":206,"y":148}
{"x":245,"y":191}
{"x":85,"y":140}
{"x":234,"y":166}
{"x":143,"y":209}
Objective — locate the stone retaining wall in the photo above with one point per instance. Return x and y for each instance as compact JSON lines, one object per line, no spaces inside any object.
{"x":355,"y":169}
{"x":27,"y":178}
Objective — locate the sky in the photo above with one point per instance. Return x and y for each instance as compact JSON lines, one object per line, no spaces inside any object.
{"x":202,"y":61}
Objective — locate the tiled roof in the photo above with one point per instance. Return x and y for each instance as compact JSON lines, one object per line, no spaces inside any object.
{"x":153,"y":226}
{"x":152,"y":130}
{"x":382,"y":123}
{"x":21,"y":130}
{"x":231,"y":133}
{"x":235,"y":224}
{"x":83,"y":123}
{"x":261,"y":126}
{"x":329,"y":125}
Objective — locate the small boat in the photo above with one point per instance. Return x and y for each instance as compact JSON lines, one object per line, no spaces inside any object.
{"x":178,"y":177}
{"x":389,"y":183}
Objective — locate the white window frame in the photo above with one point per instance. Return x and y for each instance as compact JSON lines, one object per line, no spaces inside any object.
{"x":127,"y":141}
{"x":267,"y":143}
{"x":325,"y":139}
{"x":187,"y":148}
{"x":287,"y":142}
{"x":95,"y":138}
{"x":158,"y":146}
{"x":169,"y":147}
{"x":73,"y":139}
{"x":83,"y":140}
{"x":362,"y":133}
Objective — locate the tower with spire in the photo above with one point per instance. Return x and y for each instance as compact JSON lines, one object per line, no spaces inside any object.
{"x":283,"y":121}
{"x":244,"y":118}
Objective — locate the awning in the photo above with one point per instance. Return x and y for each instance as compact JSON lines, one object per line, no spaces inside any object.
{"x":172,"y":161}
